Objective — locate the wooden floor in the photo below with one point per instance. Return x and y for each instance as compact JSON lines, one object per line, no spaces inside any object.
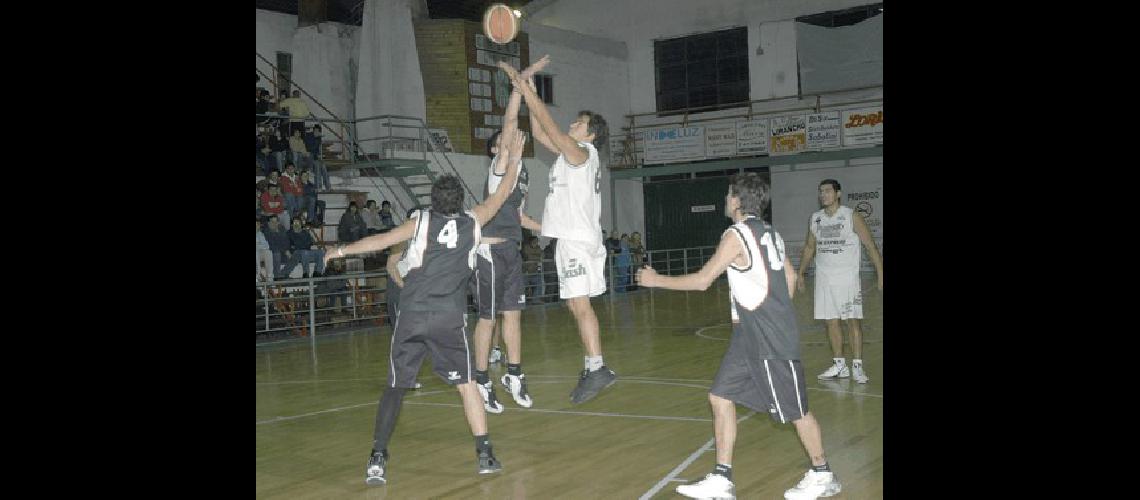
{"x":648,"y":433}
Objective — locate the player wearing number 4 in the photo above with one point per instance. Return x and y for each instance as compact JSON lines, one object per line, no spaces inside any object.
{"x":572,"y":214}
{"x":432,"y":316}
{"x":761,"y":368}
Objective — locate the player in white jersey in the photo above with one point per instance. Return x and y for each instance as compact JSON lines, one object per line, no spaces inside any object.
{"x":761,"y":368}
{"x":572,"y":213}
{"x":834,"y":235}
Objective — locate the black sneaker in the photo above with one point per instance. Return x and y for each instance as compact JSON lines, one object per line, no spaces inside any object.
{"x":374,"y":474}
{"x":488,"y":464}
{"x":590,"y":383}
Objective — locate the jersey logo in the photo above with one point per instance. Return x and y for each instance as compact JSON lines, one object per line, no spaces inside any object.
{"x":573,"y":270}
{"x":452,"y":375}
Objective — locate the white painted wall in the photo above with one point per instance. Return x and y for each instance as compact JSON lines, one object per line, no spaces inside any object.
{"x":323,"y":58}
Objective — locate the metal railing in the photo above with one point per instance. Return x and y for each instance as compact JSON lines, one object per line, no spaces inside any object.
{"x":302,"y":307}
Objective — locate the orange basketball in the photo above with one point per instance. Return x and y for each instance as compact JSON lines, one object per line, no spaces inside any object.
{"x":500,"y":23}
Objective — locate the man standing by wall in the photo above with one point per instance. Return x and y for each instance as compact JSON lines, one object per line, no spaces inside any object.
{"x":834,"y":233}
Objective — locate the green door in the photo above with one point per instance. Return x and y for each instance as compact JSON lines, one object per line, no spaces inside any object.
{"x":685,"y":214}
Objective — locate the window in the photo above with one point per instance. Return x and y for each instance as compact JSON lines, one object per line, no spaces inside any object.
{"x":545,"y":86}
{"x":709,"y":69}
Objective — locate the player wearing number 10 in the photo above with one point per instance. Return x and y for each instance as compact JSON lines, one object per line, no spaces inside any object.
{"x":761,"y":368}
{"x":439,"y":261}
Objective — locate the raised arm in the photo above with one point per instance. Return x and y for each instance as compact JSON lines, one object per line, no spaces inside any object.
{"x":377,"y":242}
{"x":864,"y":233}
{"x":528,"y":222}
{"x":511,"y":116}
{"x":727,"y":251}
{"x":490,"y":206}
{"x":561,"y":142}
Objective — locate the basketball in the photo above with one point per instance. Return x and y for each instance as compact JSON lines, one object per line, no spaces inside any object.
{"x":500,"y":23}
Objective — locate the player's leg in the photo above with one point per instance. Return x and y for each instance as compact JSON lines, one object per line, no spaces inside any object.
{"x":452,"y":359}
{"x":789,"y":393}
{"x":718,"y":484}
{"x":583,"y":266}
{"x":404,"y":363}
{"x":515,"y":380}
{"x":496,"y":342}
{"x":486,"y":304}
{"x":828,"y":308}
{"x":854,"y":310}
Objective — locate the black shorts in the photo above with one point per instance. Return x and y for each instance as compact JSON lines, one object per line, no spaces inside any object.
{"x":775,"y":386}
{"x":444,"y":334}
{"x":500,"y":284}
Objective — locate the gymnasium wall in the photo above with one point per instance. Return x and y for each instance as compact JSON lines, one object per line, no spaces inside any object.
{"x":795,"y":196}
{"x":324,"y":57}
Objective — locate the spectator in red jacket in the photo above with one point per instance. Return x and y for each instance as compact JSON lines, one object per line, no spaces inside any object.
{"x":292,"y":189}
{"x":272,"y":203}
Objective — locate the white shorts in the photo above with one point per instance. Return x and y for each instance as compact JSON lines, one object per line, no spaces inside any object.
{"x":581,"y":268}
{"x":838,"y":296}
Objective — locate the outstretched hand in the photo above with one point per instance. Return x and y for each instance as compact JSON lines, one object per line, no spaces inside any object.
{"x":646,"y":276}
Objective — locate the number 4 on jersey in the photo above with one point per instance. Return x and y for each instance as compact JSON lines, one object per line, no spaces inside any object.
{"x":449,"y":235}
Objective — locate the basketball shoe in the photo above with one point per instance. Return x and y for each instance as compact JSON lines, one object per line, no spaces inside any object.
{"x":517,"y":387}
{"x":712,"y":486}
{"x":837,"y":370}
{"x":374,"y":473}
{"x":490,"y":402}
{"x":814,"y":485}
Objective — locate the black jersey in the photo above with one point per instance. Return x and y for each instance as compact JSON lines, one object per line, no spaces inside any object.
{"x":506,"y":223}
{"x":440,"y":261}
{"x":762,"y":310}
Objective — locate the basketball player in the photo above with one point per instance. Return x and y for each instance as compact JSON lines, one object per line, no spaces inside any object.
{"x":500,"y":287}
{"x":572,"y":214}
{"x":761,"y":368}
{"x":834,"y":233}
{"x":432,"y":313}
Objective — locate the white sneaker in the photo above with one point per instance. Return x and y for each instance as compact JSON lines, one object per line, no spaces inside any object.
{"x":496,"y":355}
{"x":490,"y":402}
{"x":837,"y":370}
{"x":517,"y":387}
{"x":814,"y":485}
{"x":712,"y":486}
{"x":857,"y":374}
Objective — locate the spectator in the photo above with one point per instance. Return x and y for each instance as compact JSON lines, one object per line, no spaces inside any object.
{"x":621,"y":264}
{"x":298,"y":111}
{"x":351,"y":227}
{"x":386,"y":214}
{"x":612,"y":243}
{"x":279,"y":245}
{"x":309,"y":197}
{"x":636,"y":249}
{"x":262,"y":104}
{"x":273,"y":177}
{"x":313,"y":146}
{"x":272,"y":203}
{"x":297,"y":151}
{"x":335,"y":289}
{"x":279,"y":147}
{"x":264,"y":256}
{"x":301,"y":242}
{"x":291,"y":188}
{"x":532,"y":269}
{"x":371,"y":216}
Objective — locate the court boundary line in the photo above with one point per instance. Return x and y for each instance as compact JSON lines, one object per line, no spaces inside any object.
{"x":671,"y":477}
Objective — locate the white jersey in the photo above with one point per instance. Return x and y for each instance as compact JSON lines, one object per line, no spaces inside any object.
{"x":837,"y":247}
{"x":573,"y":208}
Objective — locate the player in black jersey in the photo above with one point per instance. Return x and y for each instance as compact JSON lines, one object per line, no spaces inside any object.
{"x":761,"y":368}
{"x":500,"y":284}
{"x":431,"y":318}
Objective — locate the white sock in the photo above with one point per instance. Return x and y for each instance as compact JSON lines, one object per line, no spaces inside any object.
{"x":593,"y":363}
